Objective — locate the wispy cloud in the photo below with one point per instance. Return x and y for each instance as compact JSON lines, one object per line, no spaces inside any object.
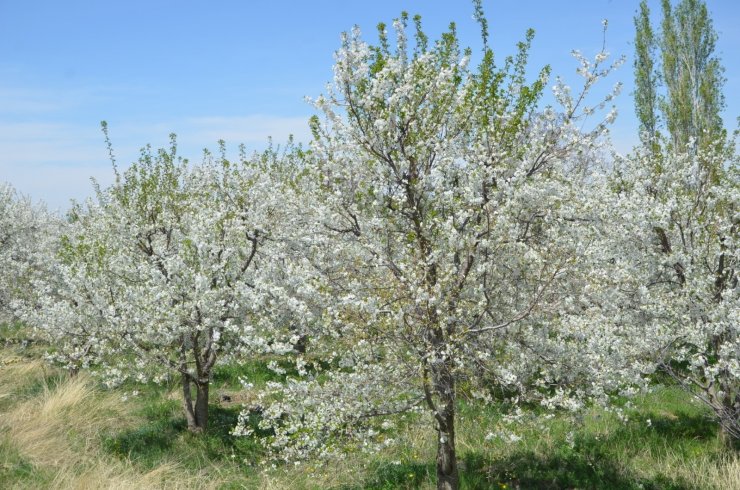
{"x":23,"y":101}
{"x":39,"y":101}
{"x":48,"y":143}
{"x":57,"y":186}
{"x":248,"y":129}
{"x":53,"y":161}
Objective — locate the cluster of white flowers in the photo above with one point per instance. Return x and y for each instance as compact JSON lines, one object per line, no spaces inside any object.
{"x":680,"y":261}
{"x":27,"y":233}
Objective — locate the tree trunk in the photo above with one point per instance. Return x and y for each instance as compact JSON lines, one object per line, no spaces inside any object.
{"x":725,"y":436}
{"x":447,"y":474}
{"x":196,"y":414}
{"x":729,"y":426}
{"x":187,"y":403}
{"x":201,"y":406}
{"x":300,"y":346}
{"x":444,"y":386}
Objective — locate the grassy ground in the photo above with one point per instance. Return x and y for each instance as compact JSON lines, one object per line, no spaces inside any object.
{"x":57,"y":432}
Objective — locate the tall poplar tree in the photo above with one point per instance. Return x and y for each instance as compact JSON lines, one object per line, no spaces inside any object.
{"x":690,"y":76}
{"x":646,"y":77}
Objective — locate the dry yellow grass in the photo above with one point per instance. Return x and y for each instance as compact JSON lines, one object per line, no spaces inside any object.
{"x":339,"y":474}
{"x":16,"y":372}
{"x":727,"y":475}
{"x":702,"y":471}
{"x":57,"y":426}
{"x":117,"y":476}
{"x":59,"y":430}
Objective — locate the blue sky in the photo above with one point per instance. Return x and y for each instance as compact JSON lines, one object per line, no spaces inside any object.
{"x":239,"y":70}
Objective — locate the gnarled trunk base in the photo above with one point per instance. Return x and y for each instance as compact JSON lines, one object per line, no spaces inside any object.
{"x":196,"y":414}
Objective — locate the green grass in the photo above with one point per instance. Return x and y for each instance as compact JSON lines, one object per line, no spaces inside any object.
{"x":17,"y":472}
{"x":524,"y":470}
{"x":228,"y":376}
{"x":606,"y":453}
{"x":14,"y":333}
{"x":164,"y":437}
{"x":669,"y":442}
